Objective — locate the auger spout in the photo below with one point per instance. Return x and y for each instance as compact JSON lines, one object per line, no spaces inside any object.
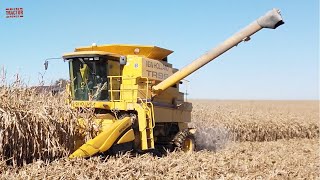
{"x":271,"y":20}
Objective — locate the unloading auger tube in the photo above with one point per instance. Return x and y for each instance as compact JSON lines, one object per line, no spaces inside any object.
{"x":271,"y":20}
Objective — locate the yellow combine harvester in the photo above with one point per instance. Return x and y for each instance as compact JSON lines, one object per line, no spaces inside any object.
{"x":135,"y":93}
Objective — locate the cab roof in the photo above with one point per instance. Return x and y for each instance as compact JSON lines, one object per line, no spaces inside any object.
{"x":152,"y":52}
{"x":88,"y":54}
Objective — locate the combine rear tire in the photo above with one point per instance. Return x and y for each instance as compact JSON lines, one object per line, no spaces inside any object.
{"x":185,"y":141}
{"x":188,"y":144}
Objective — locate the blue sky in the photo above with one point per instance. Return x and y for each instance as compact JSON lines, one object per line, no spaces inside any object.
{"x":275,"y":64}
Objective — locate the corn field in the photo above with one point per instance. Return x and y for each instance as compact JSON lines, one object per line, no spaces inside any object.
{"x":235,"y":139}
{"x":36,"y":125}
{"x":257,"y":120}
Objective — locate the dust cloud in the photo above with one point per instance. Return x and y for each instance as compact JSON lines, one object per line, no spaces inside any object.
{"x":211,"y":138}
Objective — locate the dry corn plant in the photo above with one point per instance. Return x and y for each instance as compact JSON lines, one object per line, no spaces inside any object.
{"x":37,"y":125}
{"x":217,"y":121}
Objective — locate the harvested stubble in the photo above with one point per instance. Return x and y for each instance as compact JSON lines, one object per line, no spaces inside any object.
{"x":283,"y":159}
{"x":255,"y":120}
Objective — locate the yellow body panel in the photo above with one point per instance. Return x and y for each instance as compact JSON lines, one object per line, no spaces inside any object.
{"x":156,"y":70}
{"x":164,"y":114}
{"x":103,"y":105}
{"x":127,"y":137}
{"x":168,"y":95}
{"x":138,"y":66}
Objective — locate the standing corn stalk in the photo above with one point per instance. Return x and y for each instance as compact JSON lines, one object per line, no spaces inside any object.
{"x":35,"y":125}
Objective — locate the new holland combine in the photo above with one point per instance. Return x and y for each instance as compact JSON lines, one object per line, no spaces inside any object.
{"x":134,"y":92}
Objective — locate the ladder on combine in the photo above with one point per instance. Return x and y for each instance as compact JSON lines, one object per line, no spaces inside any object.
{"x":147,"y":138}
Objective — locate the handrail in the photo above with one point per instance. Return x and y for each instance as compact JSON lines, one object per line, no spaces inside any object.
{"x":121,"y":91}
{"x":152,"y":114}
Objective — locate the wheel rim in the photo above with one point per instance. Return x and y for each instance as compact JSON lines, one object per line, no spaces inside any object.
{"x":188,"y":145}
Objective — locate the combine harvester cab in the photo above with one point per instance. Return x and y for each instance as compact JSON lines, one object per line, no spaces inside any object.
{"x":135,"y":95}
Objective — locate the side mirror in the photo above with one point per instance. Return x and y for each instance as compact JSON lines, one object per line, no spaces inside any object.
{"x":46,"y":64}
